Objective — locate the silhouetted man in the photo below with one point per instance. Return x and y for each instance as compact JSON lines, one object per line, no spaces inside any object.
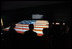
{"x":12,"y":36}
{"x":30,"y":34}
{"x":45,"y":38}
{"x":29,"y":37}
{"x":12,"y":33}
{"x":48,"y":37}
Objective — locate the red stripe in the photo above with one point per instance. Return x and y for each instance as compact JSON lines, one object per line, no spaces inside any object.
{"x":38,"y":34}
{"x":19,"y":31}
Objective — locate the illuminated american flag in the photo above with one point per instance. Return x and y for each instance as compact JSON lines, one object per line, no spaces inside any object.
{"x":23,"y":26}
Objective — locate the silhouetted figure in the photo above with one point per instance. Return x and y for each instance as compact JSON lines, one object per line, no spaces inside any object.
{"x":12,"y":33}
{"x":29,"y":37}
{"x":12,"y":36}
{"x":59,"y":37}
{"x":30,"y":34}
{"x":45,"y":38}
{"x":48,"y":36}
{"x":51,"y":33}
{"x":45,"y":32}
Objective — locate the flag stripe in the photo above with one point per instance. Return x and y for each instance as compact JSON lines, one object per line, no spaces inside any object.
{"x":39,"y":31}
{"x":34,"y":26}
{"x":25,"y":29}
{"x":28,"y":25}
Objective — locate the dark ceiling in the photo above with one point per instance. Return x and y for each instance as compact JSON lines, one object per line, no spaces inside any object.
{"x":15,"y":11}
{"x":10,"y":5}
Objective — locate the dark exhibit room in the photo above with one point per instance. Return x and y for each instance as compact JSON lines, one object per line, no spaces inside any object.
{"x":35,"y":24}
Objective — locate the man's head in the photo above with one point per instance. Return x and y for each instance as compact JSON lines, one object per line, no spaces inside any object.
{"x":31,"y":27}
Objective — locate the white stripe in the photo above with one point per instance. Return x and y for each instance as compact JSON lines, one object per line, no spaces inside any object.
{"x":39,"y":32}
{"x":34,"y":26}
{"x":22,"y":27}
{"x":20,"y":30}
{"x":28,"y":24}
{"x":39,"y":28}
{"x":41,"y":24}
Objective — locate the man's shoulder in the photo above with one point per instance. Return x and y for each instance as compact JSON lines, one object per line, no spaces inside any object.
{"x":35,"y":33}
{"x":26,"y":32}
